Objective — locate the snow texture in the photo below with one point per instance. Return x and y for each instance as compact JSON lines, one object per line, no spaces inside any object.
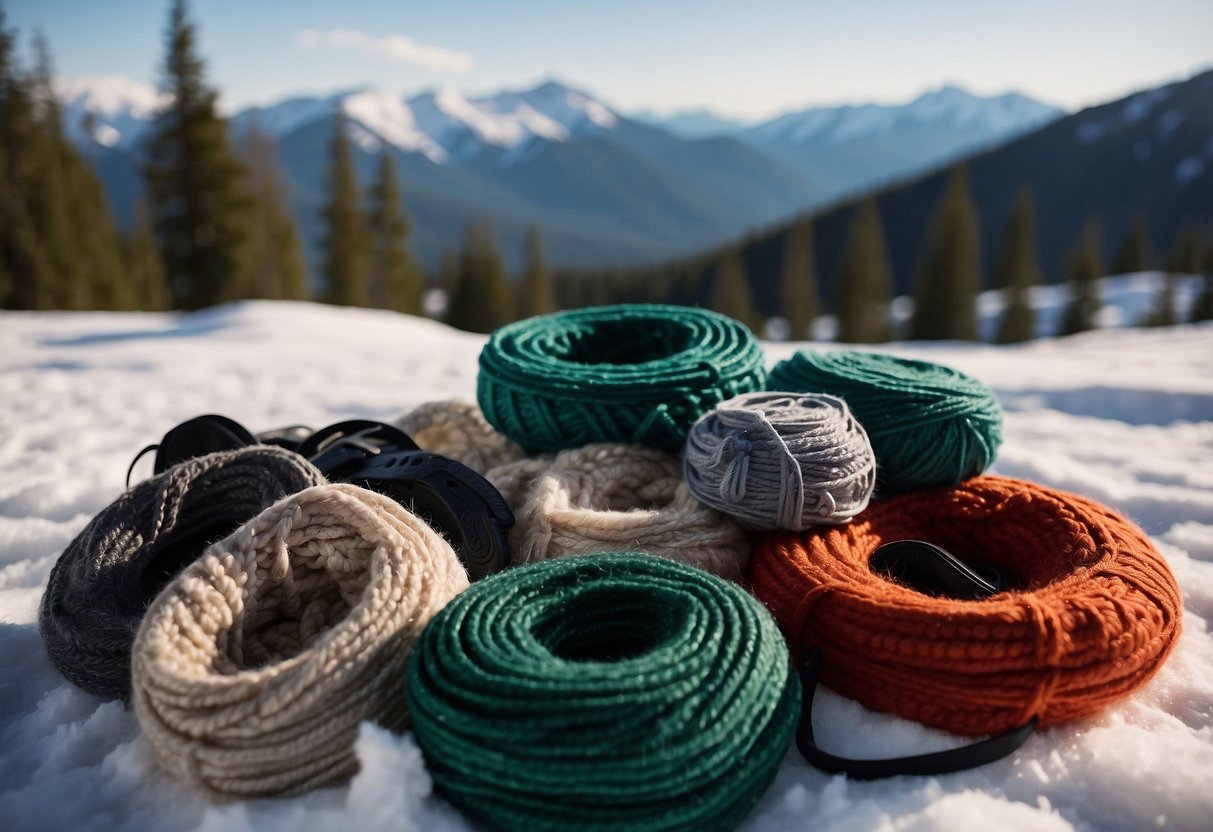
{"x":1125,"y":417}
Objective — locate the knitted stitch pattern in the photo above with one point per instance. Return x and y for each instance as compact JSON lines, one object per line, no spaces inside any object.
{"x":457,"y":429}
{"x":613,"y":692}
{"x":104,"y":580}
{"x":253,"y":669}
{"x":929,"y":424}
{"x":635,"y":373}
{"x":611,"y":497}
{"x":1096,"y":614}
{"x":781,"y":460}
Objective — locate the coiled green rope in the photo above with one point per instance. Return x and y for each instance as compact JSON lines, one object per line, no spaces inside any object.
{"x":609,"y":691}
{"x":929,"y":424}
{"x":631,"y":373}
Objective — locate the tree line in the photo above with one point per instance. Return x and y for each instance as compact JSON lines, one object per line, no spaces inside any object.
{"x":215,"y":226}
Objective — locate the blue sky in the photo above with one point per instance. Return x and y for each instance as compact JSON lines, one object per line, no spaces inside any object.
{"x":744,"y":59}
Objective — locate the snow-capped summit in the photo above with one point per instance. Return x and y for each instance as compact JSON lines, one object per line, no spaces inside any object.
{"x":119,"y":107}
{"x":444,"y":125}
{"x":949,"y":106}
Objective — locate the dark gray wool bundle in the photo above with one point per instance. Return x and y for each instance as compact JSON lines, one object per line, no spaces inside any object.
{"x":105,"y":579}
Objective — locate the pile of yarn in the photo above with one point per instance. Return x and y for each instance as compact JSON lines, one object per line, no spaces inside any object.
{"x":102,"y":583}
{"x":630,"y":373}
{"x":777,"y":460}
{"x":929,"y":424}
{"x":253,"y":670}
{"x":612,"y":691}
{"x":1095,"y":614}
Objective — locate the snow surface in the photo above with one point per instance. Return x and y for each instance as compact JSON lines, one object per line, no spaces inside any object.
{"x":121,"y":108}
{"x":1124,"y":416}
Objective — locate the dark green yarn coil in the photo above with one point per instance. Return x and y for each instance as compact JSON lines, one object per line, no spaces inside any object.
{"x":608,"y":691}
{"x":638,"y":373}
{"x":929,"y":425}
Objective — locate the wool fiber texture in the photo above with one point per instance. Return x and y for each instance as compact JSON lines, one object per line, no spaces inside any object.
{"x":104,"y":580}
{"x":929,"y":424}
{"x":612,"y":497}
{"x":1095,"y":613}
{"x":457,"y":429}
{"x":612,"y":692}
{"x":781,"y":460}
{"x":254,"y":668}
{"x":637,"y":373}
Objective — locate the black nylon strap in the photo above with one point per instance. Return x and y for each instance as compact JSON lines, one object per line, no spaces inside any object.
{"x":938,"y":762}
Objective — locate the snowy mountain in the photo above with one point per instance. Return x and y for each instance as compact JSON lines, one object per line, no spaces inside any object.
{"x":852,"y":148}
{"x":605,"y":188}
{"x":1124,"y":417}
{"x":692,"y":124}
{"x":120,"y":109}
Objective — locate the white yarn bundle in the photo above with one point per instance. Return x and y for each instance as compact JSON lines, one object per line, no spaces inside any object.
{"x":253,"y":669}
{"x":615,"y":497}
{"x":781,"y":460}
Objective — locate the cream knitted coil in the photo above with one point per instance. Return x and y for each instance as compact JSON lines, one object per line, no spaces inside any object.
{"x":253,"y":669}
{"x":456,"y":428}
{"x":615,"y":497}
{"x":781,"y":460}
{"x":603,"y":497}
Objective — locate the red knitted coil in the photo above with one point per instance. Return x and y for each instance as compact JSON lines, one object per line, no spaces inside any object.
{"x":1095,"y":614}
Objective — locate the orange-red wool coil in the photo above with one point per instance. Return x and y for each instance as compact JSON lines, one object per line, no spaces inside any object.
{"x":1094,"y":614}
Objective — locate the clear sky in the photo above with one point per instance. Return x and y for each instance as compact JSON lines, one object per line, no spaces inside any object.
{"x":747,"y":59}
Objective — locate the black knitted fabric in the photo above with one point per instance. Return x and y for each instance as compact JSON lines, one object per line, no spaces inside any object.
{"x":106,"y":578}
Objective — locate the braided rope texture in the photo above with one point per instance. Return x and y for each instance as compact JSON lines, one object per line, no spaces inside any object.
{"x":639,"y":373}
{"x":781,"y":461}
{"x":1097,"y":615}
{"x":929,"y":424}
{"x":612,"y":497}
{"x":105,"y":578}
{"x":614,"y":692}
{"x":253,"y":669}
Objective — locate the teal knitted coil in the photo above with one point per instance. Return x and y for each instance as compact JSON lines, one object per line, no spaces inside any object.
{"x":638,"y":373}
{"x":609,"y":691}
{"x":929,"y":424}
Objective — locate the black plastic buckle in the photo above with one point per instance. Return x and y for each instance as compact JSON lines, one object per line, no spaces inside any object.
{"x":933,"y":570}
{"x":458,"y":502}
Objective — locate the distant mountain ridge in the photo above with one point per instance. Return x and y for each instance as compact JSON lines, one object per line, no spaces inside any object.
{"x":604,"y":188}
{"x":1149,"y":153}
{"x":851,"y":148}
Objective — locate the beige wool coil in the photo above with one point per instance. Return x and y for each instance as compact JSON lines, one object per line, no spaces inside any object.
{"x":611,"y":497}
{"x":253,"y":669}
{"x":457,"y":429}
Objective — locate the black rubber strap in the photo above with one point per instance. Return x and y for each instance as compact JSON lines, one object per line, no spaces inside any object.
{"x":938,"y":762}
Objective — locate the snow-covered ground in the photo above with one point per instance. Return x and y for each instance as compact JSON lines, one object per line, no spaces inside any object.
{"x":1125,"y":416}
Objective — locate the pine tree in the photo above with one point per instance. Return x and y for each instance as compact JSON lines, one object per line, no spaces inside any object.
{"x":731,"y":292}
{"x":481,"y":300}
{"x":536,"y":297}
{"x":1185,"y":258}
{"x":24,"y":263}
{"x":276,"y":269}
{"x":1202,"y":306}
{"x":66,"y":285}
{"x":395,"y":279}
{"x":798,"y":281}
{"x":194,"y":180}
{"x":346,"y":247}
{"x":1084,"y":268}
{"x":1137,"y":253}
{"x":862,"y":293}
{"x":144,"y":264}
{"x":1017,"y":271}
{"x":945,"y":294}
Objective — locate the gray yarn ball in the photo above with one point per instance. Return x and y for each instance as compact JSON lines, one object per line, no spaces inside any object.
{"x":781,"y":460}
{"x":105,"y":579}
